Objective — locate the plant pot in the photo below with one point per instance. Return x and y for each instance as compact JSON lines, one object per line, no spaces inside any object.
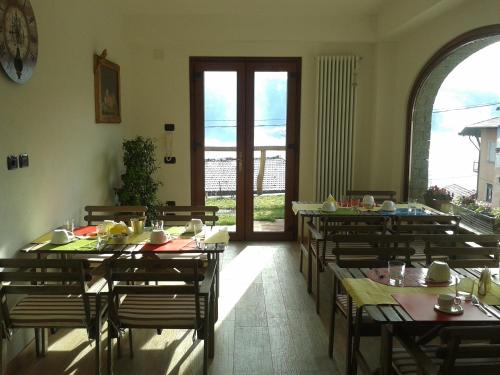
{"x":439,"y":204}
{"x":482,"y":223}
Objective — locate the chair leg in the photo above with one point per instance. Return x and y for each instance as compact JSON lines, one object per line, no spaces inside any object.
{"x":110,"y":349}
{"x":205,"y":355}
{"x":98,"y":348}
{"x":3,"y":355}
{"x":118,"y":345}
{"x":38,"y":342}
{"x":318,"y":261}
{"x":211,"y":330}
{"x":331,"y":338}
{"x":309,"y":268}
{"x":349,"y":337}
{"x":357,"y":338}
{"x":130,"y":343}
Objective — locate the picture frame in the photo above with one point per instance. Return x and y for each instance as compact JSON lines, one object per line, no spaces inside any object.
{"x":107,"y":90}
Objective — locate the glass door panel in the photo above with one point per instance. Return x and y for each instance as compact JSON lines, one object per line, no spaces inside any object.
{"x":269,"y":151}
{"x":220,"y":144}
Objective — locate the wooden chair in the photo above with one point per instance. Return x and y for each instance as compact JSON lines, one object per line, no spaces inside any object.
{"x":177,"y":302}
{"x":321,"y":244}
{"x":378,"y":195}
{"x":96,"y":214}
{"x":465,"y":350}
{"x":54,"y":294}
{"x":379,"y":249}
{"x":464,"y":250}
{"x":179,"y":215}
{"x":423,"y":225}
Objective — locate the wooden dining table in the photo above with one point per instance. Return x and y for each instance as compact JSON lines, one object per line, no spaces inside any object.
{"x":408,"y":310}
{"x":308,"y":212}
{"x":85,"y":244}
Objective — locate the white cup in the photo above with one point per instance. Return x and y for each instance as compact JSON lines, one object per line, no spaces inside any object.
{"x":158,"y":236}
{"x":62,"y":236}
{"x":388,"y":206}
{"x":447,"y":301}
{"x":195,"y":225}
{"x":438,"y":272}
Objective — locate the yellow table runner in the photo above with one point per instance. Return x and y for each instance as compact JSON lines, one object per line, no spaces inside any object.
{"x":368,"y":292}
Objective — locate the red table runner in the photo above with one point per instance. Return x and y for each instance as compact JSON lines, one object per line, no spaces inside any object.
{"x":421,"y":308}
{"x":174,"y":245}
{"x":85,"y":231}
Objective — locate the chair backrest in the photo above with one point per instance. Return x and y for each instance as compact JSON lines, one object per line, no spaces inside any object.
{"x":44,"y":277}
{"x":355,"y":224}
{"x":96,"y":214}
{"x":469,"y":350}
{"x":175,"y":215}
{"x":377,"y":251}
{"x":170,"y":277}
{"x":463,"y":250}
{"x":378,"y":195}
{"x":431,"y":224}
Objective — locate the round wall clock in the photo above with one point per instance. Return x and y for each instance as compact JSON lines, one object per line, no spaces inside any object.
{"x":18,"y":39}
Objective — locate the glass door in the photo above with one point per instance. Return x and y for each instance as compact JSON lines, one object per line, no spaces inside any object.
{"x":244,"y":132}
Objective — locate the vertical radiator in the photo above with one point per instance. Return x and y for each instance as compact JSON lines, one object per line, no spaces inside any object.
{"x":335,"y":116}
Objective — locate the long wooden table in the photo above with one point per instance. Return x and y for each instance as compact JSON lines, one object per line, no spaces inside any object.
{"x":393,"y":317}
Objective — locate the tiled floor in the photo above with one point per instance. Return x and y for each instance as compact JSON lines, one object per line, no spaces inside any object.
{"x":267,"y":325}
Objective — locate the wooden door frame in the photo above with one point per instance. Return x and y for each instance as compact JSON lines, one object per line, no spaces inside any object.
{"x":244,"y":114}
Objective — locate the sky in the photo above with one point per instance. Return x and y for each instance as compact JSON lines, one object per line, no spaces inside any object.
{"x":270,"y":95}
{"x":470,"y":93}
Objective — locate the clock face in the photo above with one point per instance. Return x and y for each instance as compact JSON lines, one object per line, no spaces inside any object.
{"x":18,"y":39}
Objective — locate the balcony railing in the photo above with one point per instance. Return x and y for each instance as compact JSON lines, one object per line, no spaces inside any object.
{"x":269,"y":172}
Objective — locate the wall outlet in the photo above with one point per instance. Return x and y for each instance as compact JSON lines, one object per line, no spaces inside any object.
{"x":24,"y":160}
{"x":11,"y":162}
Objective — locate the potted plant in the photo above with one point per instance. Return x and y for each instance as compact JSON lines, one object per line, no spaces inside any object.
{"x":139,"y":187}
{"x":438,"y":198}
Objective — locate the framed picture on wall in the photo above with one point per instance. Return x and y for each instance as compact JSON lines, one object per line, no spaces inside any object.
{"x":107,"y":90}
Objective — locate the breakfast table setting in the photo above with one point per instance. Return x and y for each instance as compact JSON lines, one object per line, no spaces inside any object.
{"x":116,"y":237}
{"x":402,"y":299}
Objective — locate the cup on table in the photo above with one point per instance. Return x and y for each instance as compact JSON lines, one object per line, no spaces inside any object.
{"x":194,"y":225}
{"x":62,"y":236}
{"x":158,"y":237}
{"x":396,"y":270}
{"x":464,"y":288}
{"x":137,"y":225}
{"x":447,"y":301}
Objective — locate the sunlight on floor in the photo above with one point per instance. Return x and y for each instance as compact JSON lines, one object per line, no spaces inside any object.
{"x":239,"y":273}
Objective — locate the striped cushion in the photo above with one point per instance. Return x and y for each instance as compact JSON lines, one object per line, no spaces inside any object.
{"x":51,"y":311}
{"x":159,"y":311}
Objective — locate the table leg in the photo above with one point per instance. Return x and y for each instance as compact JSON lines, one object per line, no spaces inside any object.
{"x":386,"y":349}
{"x":300,"y":239}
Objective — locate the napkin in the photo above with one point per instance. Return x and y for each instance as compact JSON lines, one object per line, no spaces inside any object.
{"x":218,"y":236}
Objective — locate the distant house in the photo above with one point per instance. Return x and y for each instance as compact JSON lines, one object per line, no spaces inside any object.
{"x":487,"y":136}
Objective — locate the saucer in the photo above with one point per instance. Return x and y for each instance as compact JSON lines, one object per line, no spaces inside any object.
{"x":455,"y":310}
{"x":448,"y":282}
{"x":161,"y":242}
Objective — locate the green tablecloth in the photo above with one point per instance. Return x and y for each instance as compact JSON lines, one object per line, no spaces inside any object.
{"x":368,"y":292}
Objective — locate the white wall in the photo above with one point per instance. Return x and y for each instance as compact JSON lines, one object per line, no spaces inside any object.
{"x":73,"y":161}
{"x":161,"y":85}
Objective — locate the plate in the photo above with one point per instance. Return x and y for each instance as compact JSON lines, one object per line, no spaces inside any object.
{"x":60,"y":243}
{"x":455,"y":310}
